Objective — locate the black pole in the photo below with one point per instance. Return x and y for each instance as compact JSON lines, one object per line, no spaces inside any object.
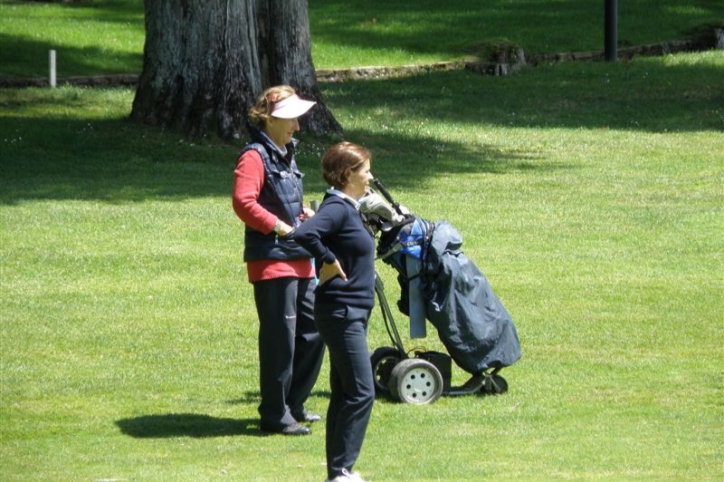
{"x":611,"y":30}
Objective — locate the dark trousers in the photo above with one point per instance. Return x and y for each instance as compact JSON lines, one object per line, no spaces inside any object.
{"x":290,"y":348}
{"x":344,"y":330}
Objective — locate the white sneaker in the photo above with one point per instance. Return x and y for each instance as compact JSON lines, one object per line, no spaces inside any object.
{"x":347,"y":477}
{"x":356,"y":477}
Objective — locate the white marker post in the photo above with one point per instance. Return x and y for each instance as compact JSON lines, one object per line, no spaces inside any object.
{"x":52,"y":69}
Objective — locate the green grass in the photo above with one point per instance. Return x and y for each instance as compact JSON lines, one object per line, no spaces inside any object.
{"x":360,"y":32}
{"x":90,"y":38}
{"x":106,"y":36}
{"x":590,"y":194}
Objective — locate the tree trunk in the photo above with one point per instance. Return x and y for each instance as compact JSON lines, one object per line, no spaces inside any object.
{"x":205,"y":62}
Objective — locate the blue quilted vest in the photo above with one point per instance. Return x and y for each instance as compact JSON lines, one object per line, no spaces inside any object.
{"x":281,"y":194}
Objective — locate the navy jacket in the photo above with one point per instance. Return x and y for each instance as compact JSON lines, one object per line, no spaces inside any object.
{"x":337,"y":232}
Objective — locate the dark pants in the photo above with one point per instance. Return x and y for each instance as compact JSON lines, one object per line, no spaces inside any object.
{"x":290,"y":348}
{"x":344,"y":330}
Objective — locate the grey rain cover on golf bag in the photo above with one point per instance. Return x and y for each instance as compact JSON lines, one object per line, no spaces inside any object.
{"x":471,"y":321}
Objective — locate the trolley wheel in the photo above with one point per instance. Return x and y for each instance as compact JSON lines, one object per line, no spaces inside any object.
{"x":494,"y":385}
{"x":383,"y":360}
{"x":416,"y":381}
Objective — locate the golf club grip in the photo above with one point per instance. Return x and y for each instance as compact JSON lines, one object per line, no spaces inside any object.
{"x":384,"y":192}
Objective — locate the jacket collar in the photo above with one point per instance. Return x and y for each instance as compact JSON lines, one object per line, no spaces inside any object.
{"x":352,"y":201}
{"x":259,"y":135}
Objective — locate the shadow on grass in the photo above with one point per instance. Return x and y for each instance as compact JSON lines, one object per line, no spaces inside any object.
{"x":52,"y":149}
{"x":197,"y":425}
{"x":19,"y":53}
{"x":188,"y":425}
{"x":648,"y":95}
{"x":115,"y":161}
{"x":533,"y":24}
{"x":25,"y":55}
{"x":254,"y":397}
{"x":110,"y":160}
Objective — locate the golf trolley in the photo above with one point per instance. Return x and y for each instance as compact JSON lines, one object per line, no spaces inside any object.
{"x":426,"y":376}
{"x":438,"y":284}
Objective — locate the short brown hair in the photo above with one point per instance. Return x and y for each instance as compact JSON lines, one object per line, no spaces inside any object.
{"x":340,"y":160}
{"x":260,"y":113}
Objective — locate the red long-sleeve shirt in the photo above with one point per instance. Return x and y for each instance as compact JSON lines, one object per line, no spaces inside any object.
{"x":248,"y":181}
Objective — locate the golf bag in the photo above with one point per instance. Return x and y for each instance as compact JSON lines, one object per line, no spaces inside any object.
{"x":440,"y":284}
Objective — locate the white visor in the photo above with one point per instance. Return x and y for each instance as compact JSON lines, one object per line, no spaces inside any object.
{"x":291,"y":107}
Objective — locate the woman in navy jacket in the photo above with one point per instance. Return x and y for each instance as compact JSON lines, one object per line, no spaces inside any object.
{"x":344,"y":299}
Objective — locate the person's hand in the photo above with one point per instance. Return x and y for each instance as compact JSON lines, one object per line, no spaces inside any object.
{"x":329,"y":271}
{"x":284,"y":229}
{"x":307,"y":213}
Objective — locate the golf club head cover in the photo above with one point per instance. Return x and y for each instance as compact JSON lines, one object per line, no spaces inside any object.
{"x":374,"y":203}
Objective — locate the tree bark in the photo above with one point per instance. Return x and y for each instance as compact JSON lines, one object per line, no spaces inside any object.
{"x":206,"y":61}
